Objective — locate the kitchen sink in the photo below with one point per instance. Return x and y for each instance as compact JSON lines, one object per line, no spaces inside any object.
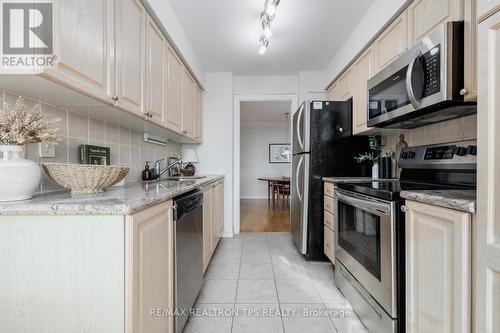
{"x":185,"y":178}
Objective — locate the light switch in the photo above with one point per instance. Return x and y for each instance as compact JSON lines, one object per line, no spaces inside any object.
{"x":47,"y":150}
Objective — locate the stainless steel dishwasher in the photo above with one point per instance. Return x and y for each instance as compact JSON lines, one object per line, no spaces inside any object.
{"x":188,"y":231}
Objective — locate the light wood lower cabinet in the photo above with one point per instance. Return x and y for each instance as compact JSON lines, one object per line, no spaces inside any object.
{"x":104,"y":273}
{"x":329,"y":221}
{"x":213,"y":219}
{"x":207,"y":226}
{"x":329,"y":241}
{"x":149,"y":264}
{"x":438,"y":269}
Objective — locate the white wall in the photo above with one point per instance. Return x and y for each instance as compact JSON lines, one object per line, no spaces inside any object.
{"x":311,"y":85}
{"x":163,"y":9}
{"x":265,"y":85}
{"x":377,"y":16}
{"x":254,"y":157}
{"x":216,"y":152}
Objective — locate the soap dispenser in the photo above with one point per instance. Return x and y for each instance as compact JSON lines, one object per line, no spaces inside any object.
{"x":146,"y":173}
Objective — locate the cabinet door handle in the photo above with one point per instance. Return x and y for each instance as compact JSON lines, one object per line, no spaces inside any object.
{"x":404,"y":209}
{"x":185,"y":132}
{"x":115,"y":98}
{"x":464,"y":92}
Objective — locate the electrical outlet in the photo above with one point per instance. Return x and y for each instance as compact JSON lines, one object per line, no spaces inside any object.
{"x":47,"y":150}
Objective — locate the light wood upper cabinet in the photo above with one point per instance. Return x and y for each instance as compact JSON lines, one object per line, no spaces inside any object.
{"x":174,"y":91}
{"x":484,"y":8}
{"x":150,"y":262}
{"x":154,"y":72}
{"x":425,"y":15}
{"x":346,"y":85}
{"x":392,"y":42}
{"x":188,"y":103}
{"x":198,"y":121}
{"x":438,"y":269}
{"x":84,"y":47}
{"x":487,"y":225}
{"x":130,"y":17}
{"x":363,"y":71}
{"x":470,"y":49}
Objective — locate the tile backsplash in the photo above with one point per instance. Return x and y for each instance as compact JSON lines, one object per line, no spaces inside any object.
{"x":127,"y":147}
{"x":464,"y":128}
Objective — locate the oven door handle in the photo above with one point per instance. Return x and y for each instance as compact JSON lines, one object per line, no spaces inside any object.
{"x":409,"y":87}
{"x":375,"y":207}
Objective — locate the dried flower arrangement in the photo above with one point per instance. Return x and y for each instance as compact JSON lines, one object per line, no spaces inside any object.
{"x":19,"y":127}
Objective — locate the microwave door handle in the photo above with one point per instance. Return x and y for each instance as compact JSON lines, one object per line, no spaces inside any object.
{"x":372,"y":206}
{"x":409,"y":86}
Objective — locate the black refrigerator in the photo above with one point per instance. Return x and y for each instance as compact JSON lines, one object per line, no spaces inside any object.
{"x":323,"y":146}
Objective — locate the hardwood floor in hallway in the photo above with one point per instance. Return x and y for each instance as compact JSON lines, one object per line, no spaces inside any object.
{"x":261,"y":215}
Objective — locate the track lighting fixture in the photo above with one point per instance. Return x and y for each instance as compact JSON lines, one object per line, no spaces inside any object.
{"x":266,"y":17}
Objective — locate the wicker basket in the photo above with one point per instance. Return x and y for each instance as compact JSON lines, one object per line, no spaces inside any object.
{"x":83,"y":178}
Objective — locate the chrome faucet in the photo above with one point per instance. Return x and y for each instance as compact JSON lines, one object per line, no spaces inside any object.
{"x":160,"y":171}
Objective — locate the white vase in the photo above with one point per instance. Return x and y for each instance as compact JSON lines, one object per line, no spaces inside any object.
{"x":375,"y":171}
{"x":19,"y":177}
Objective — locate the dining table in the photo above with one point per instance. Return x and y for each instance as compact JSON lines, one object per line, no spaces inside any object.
{"x":272,"y":182}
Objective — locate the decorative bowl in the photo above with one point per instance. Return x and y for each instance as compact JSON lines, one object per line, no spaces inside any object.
{"x":85,"y":178}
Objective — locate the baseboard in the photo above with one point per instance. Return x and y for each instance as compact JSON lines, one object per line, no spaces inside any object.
{"x":227,"y":235}
{"x":252,"y":197}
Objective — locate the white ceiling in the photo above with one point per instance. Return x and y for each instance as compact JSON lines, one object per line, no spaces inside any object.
{"x":306,"y":33}
{"x":264,"y":111}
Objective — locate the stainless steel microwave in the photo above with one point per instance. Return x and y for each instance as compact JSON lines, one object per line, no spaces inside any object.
{"x":424,"y":85}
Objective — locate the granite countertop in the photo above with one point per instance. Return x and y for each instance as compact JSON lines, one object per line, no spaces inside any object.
{"x":118,"y":200}
{"x":352,"y":179}
{"x":464,"y":200}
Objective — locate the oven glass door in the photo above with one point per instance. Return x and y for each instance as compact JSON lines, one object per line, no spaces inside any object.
{"x":359,"y":235}
{"x":365,"y":244}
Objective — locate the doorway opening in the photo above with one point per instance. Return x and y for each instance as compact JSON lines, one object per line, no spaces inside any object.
{"x":265,"y":165}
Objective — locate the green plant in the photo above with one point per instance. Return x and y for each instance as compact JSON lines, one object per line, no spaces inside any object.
{"x":375,"y":151}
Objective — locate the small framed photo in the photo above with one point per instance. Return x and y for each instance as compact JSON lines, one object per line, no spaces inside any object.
{"x":279,"y":153}
{"x":174,"y":171}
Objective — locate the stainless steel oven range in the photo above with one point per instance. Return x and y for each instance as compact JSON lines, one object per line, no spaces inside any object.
{"x":369,"y":244}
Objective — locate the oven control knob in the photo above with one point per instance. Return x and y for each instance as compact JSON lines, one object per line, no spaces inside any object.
{"x":461,"y":151}
{"x":404,"y":209}
{"x":411,"y":154}
{"x":404,"y":155}
{"x":472,"y":150}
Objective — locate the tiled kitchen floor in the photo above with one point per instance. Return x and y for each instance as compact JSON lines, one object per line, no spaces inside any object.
{"x":257,"y":282}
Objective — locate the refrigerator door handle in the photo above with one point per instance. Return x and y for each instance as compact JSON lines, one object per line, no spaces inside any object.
{"x":297,"y":178}
{"x":299,"y":126}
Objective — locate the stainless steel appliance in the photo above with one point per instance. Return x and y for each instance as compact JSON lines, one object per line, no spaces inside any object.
{"x":424,"y":85}
{"x":370,"y":232}
{"x":188,"y":231}
{"x":322,"y":146}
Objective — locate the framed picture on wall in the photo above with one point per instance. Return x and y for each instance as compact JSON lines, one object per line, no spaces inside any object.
{"x":279,"y":153}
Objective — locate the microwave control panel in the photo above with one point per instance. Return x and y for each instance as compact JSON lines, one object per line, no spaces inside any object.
{"x":431,"y":65}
